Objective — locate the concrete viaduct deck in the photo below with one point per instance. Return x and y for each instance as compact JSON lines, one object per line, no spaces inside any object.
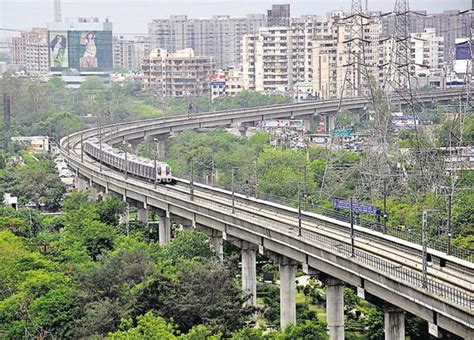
{"x":379,"y":265}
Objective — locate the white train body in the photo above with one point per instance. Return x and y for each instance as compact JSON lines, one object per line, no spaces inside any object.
{"x":132,"y":164}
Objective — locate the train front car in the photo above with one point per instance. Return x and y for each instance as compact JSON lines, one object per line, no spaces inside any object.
{"x":163,"y":173}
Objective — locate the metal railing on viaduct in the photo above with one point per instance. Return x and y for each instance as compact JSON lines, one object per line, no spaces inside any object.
{"x":378,"y":264}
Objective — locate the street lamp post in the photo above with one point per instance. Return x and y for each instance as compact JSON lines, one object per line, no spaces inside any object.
{"x":100,"y":148}
{"x":155,"y":167}
{"x":191,"y":183}
{"x":126,"y":165}
{"x":82,"y":147}
{"x":352,"y":230}
{"x":424,"y":242}
{"x":385,"y":206}
{"x":448,"y":224}
{"x":256,"y":177}
{"x":233,"y":190}
{"x":299,"y":209}
{"x":305,"y":188}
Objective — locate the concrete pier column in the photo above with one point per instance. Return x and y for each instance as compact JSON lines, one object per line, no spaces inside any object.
{"x":335,"y":308}
{"x":134,"y":146}
{"x":164,"y":228}
{"x":243,"y":131}
{"x":93,"y":193}
{"x":307,"y":120}
{"x":142,"y":215}
{"x":217,"y":243}
{"x":249,"y":272}
{"x":394,"y":324}
{"x":124,"y":218}
{"x":161,"y":142}
{"x":331,"y":122}
{"x":287,"y":292}
{"x":81,"y":184}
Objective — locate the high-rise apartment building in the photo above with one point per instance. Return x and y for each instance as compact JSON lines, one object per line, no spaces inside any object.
{"x":427,"y":51}
{"x":449,"y":25}
{"x":129,"y":53}
{"x":277,"y":57}
{"x":335,"y":70}
{"x":177,"y":74}
{"x":279,"y":15}
{"x":219,"y":36}
{"x":31,"y":51}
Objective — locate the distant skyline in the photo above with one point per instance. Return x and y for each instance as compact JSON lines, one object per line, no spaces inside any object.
{"x":132,"y":16}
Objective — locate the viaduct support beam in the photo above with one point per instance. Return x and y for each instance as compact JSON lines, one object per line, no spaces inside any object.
{"x":216,"y":239}
{"x":81,"y":184}
{"x":287,"y":292}
{"x":161,"y":141}
{"x":217,"y":243}
{"x":142,"y":215}
{"x":307,"y":120}
{"x":125,"y":217}
{"x":394,"y":324}
{"x":134,"y":147}
{"x":331,"y":122}
{"x":93,"y":193}
{"x":249,"y":272}
{"x":335,"y":308}
{"x":164,"y":228}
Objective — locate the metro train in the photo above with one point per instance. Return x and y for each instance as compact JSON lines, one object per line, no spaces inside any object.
{"x":132,"y":164}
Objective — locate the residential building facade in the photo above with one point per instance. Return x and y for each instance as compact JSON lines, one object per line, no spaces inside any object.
{"x":277,"y":57}
{"x":177,"y":74}
{"x":427,"y":51}
{"x":129,"y":53}
{"x":449,"y":25}
{"x":337,"y":72}
{"x":219,"y":37}
{"x":31,"y":51}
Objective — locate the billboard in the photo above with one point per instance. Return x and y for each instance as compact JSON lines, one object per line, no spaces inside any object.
{"x":357,"y":207}
{"x":463,"y":51}
{"x":58,"y":50}
{"x":90,"y":50}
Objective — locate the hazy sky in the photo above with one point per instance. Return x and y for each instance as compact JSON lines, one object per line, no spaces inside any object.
{"x":132,"y":16}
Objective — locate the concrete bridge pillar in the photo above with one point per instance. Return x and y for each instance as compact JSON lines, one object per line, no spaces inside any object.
{"x":92,"y":192}
{"x":243,"y":131}
{"x":142,"y":215}
{"x":394,"y":324}
{"x":81,"y":184}
{"x":124,"y":218}
{"x":134,"y":146}
{"x":331,"y":122}
{"x":287,"y":292}
{"x":216,"y":239}
{"x":161,"y":142}
{"x":185,"y":223}
{"x":249,"y":272}
{"x":217,"y":243}
{"x":164,"y":228}
{"x":335,"y":308}
{"x":307,"y":120}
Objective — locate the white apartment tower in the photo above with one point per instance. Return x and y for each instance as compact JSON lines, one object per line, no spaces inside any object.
{"x":129,"y":53}
{"x":336,"y":72}
{"x":427,"y":51}
{"x":31,"y":51}
{"x":219,"y":36}
{"x":277,"y":57}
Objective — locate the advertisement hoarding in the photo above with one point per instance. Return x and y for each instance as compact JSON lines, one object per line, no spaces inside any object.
{"x":356,"y":207}
{"x":90,"y":50}
{"x":58,"y":50}
{"x":463,"y":51}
